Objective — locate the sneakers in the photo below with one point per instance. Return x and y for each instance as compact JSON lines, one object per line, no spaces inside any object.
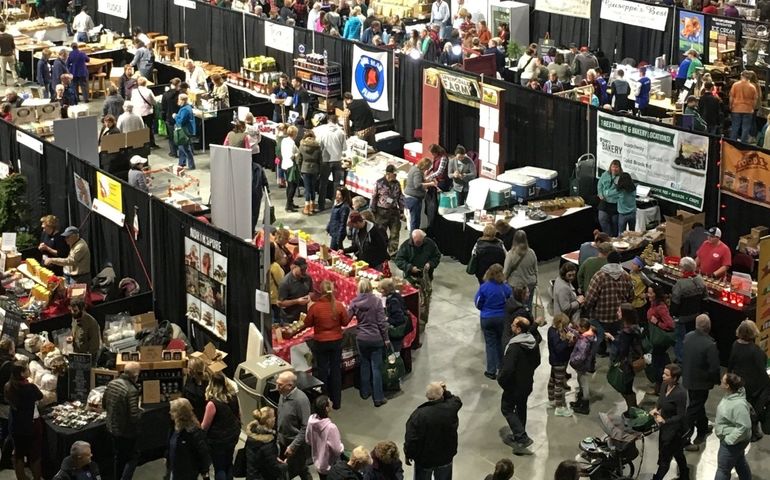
{"x":522,"y":448}
{"x":563,"y":412}
{"x":490,"y":376}
{"x":381,"y":402}
{"x":580,"y":407}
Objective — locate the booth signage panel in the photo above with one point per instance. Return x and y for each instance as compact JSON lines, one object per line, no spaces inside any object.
{"x":461,"y":89}
{"x":206,"y":282}
{"x":745,"y":174}
{"x":763,"y":294}
{"x":109,"y":191}
{"x":691,"y":32}
{"x":633,"y":13}
{"x":671,"y":162}
{"x":279,"y":37}
{"x":82,"y":190}
{"x":116,"y":8}
{"x":108,"y":212}
{"x":570,"y":8}
{"x":370,"y":78}
{"x":185,"y":3}
{"x":29,"y":141}
{"x":723,"y":36}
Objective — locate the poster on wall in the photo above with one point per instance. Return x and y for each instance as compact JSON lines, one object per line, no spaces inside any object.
{"x":570,"y":8}
{"x":722,"y":36}
{"x":109,"y":191}
{"x":746,"y":174}
{"x":370,"y":78}
{"x":205,"y":267}
{"x":763,"y":294}
{"x":635,"y":13}
{"x":671,"y":162}
{"x":691,"y":31}
{"x":82,"y":190}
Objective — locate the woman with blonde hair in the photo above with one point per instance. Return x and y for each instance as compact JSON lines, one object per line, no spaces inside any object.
{"x":195,"y":386}
{"x":188,"y":454}
{"x":222,"y":422}
{"x":386,"y":463}
{"x":353,"y":468}
{"x":372,"y":339}
{"x":487,"y":251}
{"x":490,"y":300}
{"x":520,"y":268}
{"x":327,"y":317}
{"x":261,"y":449}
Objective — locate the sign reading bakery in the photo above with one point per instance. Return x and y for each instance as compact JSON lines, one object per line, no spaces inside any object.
{"x":205,"y":265}
{"x":461,"y":89}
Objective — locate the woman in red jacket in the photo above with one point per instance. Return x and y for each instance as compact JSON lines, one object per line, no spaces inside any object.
{"x":327,"y":318}
{"x":659,"y":316}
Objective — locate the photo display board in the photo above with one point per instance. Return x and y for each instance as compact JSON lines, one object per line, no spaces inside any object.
{"x":205,"y":265}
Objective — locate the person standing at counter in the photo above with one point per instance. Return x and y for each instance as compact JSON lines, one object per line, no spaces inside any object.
{"x":77,"y":64}
{"x":368,"y":241}
{"x":81,"y":24}
{"x":52,"y":243}
{"x":713,"y":257}
{"x":294,"y":291}
{"x":281,"y":92}
{"x":143,"y":59}
{"x":219,"y":92}
{"x":169,"y":106}
{"x":121,"y":402}
{"x":608,"y":192}
{"x":372,"y":340}
{"x":360,"y":117}
{"x":194,"y":75}
{"x":694,"y":240}
{"x":77,"y":264}
{"x":687,"y":298}
{"x":144,"y":103}
{"x":620,"y":89}
{"x":743,"y":97}
{"x":643,"y":92}
{"x":86,"y":336}
{"x":414,"y":192}
{"x":626,"y":203}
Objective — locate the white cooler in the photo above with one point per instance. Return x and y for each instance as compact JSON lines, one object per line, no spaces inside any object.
{"x":498,"y":194}
{"x":523,"y":185}
{"x":545,"y":179}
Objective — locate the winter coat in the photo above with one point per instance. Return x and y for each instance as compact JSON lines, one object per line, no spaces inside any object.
{"x":372,"y":324}
{"x":431,"y":432}
{"x":659,"y":310}
{"x":191,"y":458}
{"x":700,"y":361}
{"x":525,"y":273}
{"x":607,"y":187}
{"x":68,"y":471}
{"x":261,"y":452}
{"x":521,"y":359}
{"x":384,"y":471}
{"x":323,"y":436}
{"x":610,"y":287}
{"x":309,"y":156}
{"x":113,"y":105}
{"x":338,"y":219}
{"x":121,"y":402}
{"x":559,"y":350}
{"x":491,"y":299}
{"x":488,"y":252}
{"x":732,"y":424}
{"x":352,"y":30}
{"x":687,"y":298}
{"x":750,"y":362}
{"x":626,"y":348}
{"x":396,"y":312}
{"x":409,"y":255}
{"x":565,"y":299}
{"x":369,"y":244}
{"x":583,"y":357}
{"x":342,"y":471}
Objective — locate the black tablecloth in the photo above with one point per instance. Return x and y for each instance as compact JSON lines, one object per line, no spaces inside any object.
{"x":155,"y":428}
{"x":548,"y":239}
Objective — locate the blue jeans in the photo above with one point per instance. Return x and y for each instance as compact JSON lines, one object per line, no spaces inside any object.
{"x":741,"y":126}
{"x":370,"y":354}
{"x":308,"y":179}
{"x":414,"y":205}
{"x":186,"y":156}
{"x":609,"y":223}
{"x":626,"y":219}
{"x":732,"y":456}
{"x":82,"y":84}
{"x":81,"y":37}
{"x":443,"y":472}
{"x":493,"y":340}
{"x":222,"y":460}
{"x":681,"y":329}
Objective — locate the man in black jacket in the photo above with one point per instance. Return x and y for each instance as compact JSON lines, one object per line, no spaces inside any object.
{"x":521,"y":359}
{"x":710,"y":108}
{"x":78,"y":464}
{"x":121,"y":402}
{"x":700,"y":372}
{"x":431,"y":434}
{"x":368,"y":241}
{"x":169,"y":107}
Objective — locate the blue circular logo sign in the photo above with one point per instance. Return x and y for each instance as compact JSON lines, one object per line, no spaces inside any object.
{"x":301,"y":49}
{"x":370,"y":78}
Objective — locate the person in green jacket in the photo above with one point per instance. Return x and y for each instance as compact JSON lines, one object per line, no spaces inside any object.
{"x":626,"y":203}
{"x":589,"y":268}
{"x":608,"y":192}
{"x":691,"y":108}
{"x":733,"y":428}
{"x":418,"y":257}
{"x":695,"y":63}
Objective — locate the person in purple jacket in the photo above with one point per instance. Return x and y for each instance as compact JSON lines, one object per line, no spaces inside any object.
{"x":372,"y":339}
{"x":77,"y":63}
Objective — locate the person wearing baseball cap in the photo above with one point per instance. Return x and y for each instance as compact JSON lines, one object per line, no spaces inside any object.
{"x":388,"y":206}
{"x":713,"y":257}
{"x":136,"y":177}
{"x":77,"y":265}
{"x":294,"y":291}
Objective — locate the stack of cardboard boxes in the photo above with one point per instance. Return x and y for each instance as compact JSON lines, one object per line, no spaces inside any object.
{"x":751,"y":241}
{"x":677,"y":228}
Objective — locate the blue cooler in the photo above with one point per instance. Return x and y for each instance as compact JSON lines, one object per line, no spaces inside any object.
{"x":545,"y":179}
{"x":523,"y":186}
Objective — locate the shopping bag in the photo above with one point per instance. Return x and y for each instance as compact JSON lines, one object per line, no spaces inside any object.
{"x":538,"y":309}
{"x":162,"y":131}
{"x":447,"y":202}
{"x":616,"y":378}
{"x":392,"y":371}
{"x":180,"y":136}
{"x":473,"y":265}
{"x":660,"y":338}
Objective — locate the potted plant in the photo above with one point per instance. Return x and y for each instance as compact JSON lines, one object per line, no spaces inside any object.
{"x":514,"y":52}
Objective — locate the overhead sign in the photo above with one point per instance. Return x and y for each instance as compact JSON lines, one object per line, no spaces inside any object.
{"x":29,"y":141}
{"x":109,"y":191}
{"x":570,"y":8}
{"x":746,"y":174}
{"x":671,"y":162}
{"x":633,"y":13}
{"x":279,"y":37}
{"x":370,"y":76}
{"x":185,"y":3}
{"x":116,"y":8}
{"x":461,"y":89}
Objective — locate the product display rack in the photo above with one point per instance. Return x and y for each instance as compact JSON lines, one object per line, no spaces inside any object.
{"x":319,"y":77}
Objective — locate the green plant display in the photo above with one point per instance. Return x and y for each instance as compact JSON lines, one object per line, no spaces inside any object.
{"x":514,"y":50}
{"x":14,"y":210}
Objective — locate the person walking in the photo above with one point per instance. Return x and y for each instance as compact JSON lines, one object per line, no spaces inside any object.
{"x":331,"y":137}
{"x":261,"y":449}
{"x":121,"y":402}
{"x":372,"y":340}
{"x":323,"y":436}
{"x":520,"y":267}
{"x":144,"y":105}
{"x":25,"y":427}
{"x":669,"y":414}
{"x":658,"y":317}
{"x":388,"y":206}
{"x":491,"y":299}
{"x":521,"y":359}
{"x":188,"y":455}
{"x":565,"y":299}
{"x":583,"y":360}
{"x":431,"y":434}
{"x":487,"y":251}
{"x":732,"y":426}
{"x":327,"y":318}
{"x":687,"y":297}
{"x":749,"y":362}
{"x":8,"y":56}
{"x":561,"y":341}
{"x":222,"y":423}
{"x":293,"y":414}
{"x":628,"y":352}
{"x":700,"y":372}
{"x":414,"y":192}
{"x":609,"y":288}
{"x":184,"y":129}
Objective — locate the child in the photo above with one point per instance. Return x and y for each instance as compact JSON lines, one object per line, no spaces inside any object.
{"x":560,"y":343}
{"x":339,"y":218}
{"x":280,"y":134}
{"x":583,"y":360}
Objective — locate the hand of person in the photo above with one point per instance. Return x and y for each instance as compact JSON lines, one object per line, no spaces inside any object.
{"x":42,"y":247}
{"x":173,"y":115}
{"x":304,"y":300}
{"x":609,"y":336}
{"x":414,"y":270}
{"x":581,"y":299}
{"x":47,"y":261}
{"x":289,"y":452}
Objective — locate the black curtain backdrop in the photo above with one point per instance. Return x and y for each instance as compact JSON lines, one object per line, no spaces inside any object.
{"x":226,"y":39}
{"x":460,"y":126}
{"x":564,"y":30}
{"x":619,"y":41}
{"x":57,"y":180}
{"x":408,"y":101}
{"x":32,"y":167}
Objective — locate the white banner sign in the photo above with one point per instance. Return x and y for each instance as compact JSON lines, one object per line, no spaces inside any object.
{"x":570,"y":8}
{"x":634,"y":13}
{"x":370,"y":78}
{"x":116,"y":8}
{"x":279,"y":37}
{"x":29,"y":141}
{"x":185,"y":3}
{"x":671,"y":162}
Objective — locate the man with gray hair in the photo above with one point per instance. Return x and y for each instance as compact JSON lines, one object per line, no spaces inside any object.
{"x":121,"y":402}
{"x":78,"y":464}
{"x":128,"y":121}
{"x":687,"y":298}
{"x":293,"y":413}
{"x":431,"y":434}
{"x":418,"y":257}
{"x":700,"y":372}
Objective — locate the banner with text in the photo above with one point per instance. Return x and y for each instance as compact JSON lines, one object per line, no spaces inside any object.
{"x":746,"y":174}
{"x":633,"y":13}
{"x":205,"y":261}
{"x":763,"y":294}
{"x":570,"y":8}
{"x":723,"y":36}
{"x":279,"y":37}
{"x":370,"y":78}
{"x":116,"y":8}
{"x":672,"y":163}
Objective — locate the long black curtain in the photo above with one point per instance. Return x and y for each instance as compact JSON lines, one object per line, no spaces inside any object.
{"x":408,"y":101}
{"x":32,"y":167}
{"x":619,"y":41}
{"x":461,"y":125}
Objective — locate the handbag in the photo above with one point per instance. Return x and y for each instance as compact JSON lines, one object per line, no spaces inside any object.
{"x":393,"y":371}
{"x":180,"y":136}
{"x":473,"y":265}
{"x":660,"y":338}
{"x":239,"y":465}
{"x":638,"y":364}
{"x":616,"y":378}
{"x":447,"y":202}
{"x":538,"y":309}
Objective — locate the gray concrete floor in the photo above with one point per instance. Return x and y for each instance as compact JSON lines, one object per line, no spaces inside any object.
{"x":453,"y":351}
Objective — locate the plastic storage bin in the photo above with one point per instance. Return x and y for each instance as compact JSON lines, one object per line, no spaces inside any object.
{"x":546,"y":180}
{"x":413,"y":151}
{"x":523,"y":186}
{"x":498,"y":193}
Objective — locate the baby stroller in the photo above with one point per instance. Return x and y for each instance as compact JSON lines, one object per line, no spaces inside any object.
{"x":612,"y":457}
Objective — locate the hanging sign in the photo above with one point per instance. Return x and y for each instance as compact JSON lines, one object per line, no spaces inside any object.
{"x":82,"y":190}
{"x":370,"y":78}
{"x":671,"y":162}
{"x":116,"y":8}
{"x":691,"y":32}
{"x":723,"y":36}
{"x":460,"y":88}
{"x":185,"y":3}
{"x":29,"y":141}
{"x":633,"y":13}
{"x":746,"y":174}
{"x":279,"y":37}
{"x":206,"y":282}
{"x":570,"y":8}
{"x":109,"y":191}
{"x":763,"y":294}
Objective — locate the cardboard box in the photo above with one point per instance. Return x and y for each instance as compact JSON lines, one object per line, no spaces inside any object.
{"x":677,"y":228}
{"x":212,"y":358}
{"x":759,"y":232}
{"x":78,"y":291}
{"x":747,"y":241}
{"x":144,"y":321}
{"x":12,"y":260}
{"x":151,"y":391}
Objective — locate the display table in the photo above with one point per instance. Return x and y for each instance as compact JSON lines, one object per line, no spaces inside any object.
{"x":549,"y":238}
{"x":362,"y":178}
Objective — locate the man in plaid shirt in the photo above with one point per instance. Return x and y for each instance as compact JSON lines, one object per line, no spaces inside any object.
{"x":610,"y":287}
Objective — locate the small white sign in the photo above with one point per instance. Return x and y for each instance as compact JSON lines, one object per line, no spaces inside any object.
{"x":116,"y":8}
{"x":109,"y":212}
{"x":262,"y":301}
{"x":185,"y":3}
{"x":279,"y":37}
{"x":5,"y":169}
{"x":29,"y":141}
{"x":9,"y":241}
{"x":302,"y":244}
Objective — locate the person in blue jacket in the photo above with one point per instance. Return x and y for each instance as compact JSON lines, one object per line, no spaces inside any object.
{"x":185,"y":119}
{"x":339,"y":218}
{"x":490,"y":300}
{"x":77,"y":63}
{"x":43,"y":76}
{"x":58,"y":69}
{"x":681,"y":74}
{"x":643,"y":92}
{"x":352,"y":30}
